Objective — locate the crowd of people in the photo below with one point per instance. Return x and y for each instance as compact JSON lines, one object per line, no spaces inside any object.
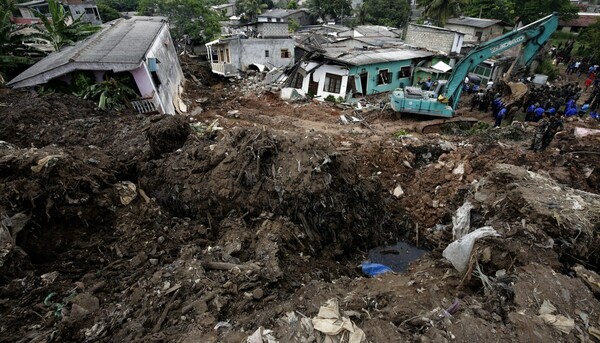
{"x":545,"y":107}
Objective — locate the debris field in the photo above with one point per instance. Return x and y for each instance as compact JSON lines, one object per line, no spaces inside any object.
{"x":247,"y":220}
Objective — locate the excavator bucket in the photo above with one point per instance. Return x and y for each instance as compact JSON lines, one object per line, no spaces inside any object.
{"x":514,"y":93}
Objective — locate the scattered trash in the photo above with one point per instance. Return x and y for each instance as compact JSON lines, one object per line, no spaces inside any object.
{"x":261,"y":336}
{"x":560,"y":322}
{"x":330,"y":322}
{"x":582,"y":132}
{"x":46,"y":162}
{"x":127,"y":192}
{"x":49,"y":278}
{"x":374,"y":269}
{"x":225,"y":325}
{"x":461,"y":221}
{"x":459,"y":251}
{"x":292,"y":94}
{"x":398,"y":192}
{"x":546,"y":308}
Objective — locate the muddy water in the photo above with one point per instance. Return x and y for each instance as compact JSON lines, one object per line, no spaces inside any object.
{"x":396,"y":256}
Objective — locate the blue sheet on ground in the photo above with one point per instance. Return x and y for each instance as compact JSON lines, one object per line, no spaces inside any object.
{"x":374,"y":269}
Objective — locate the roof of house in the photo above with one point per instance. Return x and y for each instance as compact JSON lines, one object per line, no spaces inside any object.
{"x":218,"y":7}
{"x":368,"y":31}
{"x":120,"y":46}
{"x":31,"y":3}
{"x":280,"y":13}
{"x":583,"y":20}
{"x":474,"y":22}
{"x":366,"y":57}
{"x":435,"y":28}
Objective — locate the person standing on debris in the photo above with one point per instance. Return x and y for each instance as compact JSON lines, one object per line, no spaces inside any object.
{"x":542,"y":126}
{"x":476,"y":100}
{"x":529,"y":112}
{"x":538,"y":112}
{"x":555,"y":124}
{"x":501,"y":114}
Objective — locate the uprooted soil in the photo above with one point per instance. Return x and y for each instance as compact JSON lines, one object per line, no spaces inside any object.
{"x":252,"y":212}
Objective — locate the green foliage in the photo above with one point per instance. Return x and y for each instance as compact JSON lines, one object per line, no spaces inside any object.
{"x":119,"y":5}
{"x":589,"y":40}
{"x":532,"y":10}
{"x":333,"y":9}
{"x":186,"y":17}
{"x":560,"y":35}
{"x":59,"y":28}
{"x":393,"y":13}
{"x":400,"y":133}
{"x":497,"y":9}
{"x":293,"y":25}
{"x":441,"y":10}
{"x":250,"y":9}
{"x":292,"y":5}
{"x":331,"y":98}
{"x":547,"y":68}
{"x":107,"y":13}
{"x":112,"y":94}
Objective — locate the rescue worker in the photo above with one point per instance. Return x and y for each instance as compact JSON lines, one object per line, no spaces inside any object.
{"x":555,"y":124}
{"x":529,"y":112}
{"x":542,"y":126}
{"x":538,"y":112}
{"x":499,"y":116}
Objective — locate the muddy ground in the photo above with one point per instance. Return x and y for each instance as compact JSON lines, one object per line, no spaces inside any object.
{"x":251,"y":213}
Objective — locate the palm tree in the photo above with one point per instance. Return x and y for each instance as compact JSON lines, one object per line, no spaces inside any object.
{"x":60,"y":30}
{"x":250,"y":9}
{"x":441,"y":10}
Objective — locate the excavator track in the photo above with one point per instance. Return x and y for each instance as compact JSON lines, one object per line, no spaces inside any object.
{"x":431,"y":126}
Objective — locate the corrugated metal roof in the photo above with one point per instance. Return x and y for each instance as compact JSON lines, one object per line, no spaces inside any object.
{"x":369,"y":31}
{"x":434,"y":28}
{"x":280,"y":13}
{"x":474,"y":22}
{"x":120,"y":46}
{"x":31,"y":3}
{"x":367,"y":57}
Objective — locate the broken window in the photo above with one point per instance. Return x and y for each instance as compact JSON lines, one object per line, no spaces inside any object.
{"x":298,"y":81}
{"x":155,"y":79}
{"x":384,"y":77}
{"x":227,"y":55}
{"x":89,"y":10}
{"x":266,"y":53}
{"x":285,"y":53}
{"x":404,"y":72}
{"x":478,"y":35}
{"x":333,"y":83}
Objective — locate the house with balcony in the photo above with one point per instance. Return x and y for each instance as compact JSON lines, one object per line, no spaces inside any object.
{"x":230,"y":56}
{"x":84,"y":9}
{"x":137,"y":49}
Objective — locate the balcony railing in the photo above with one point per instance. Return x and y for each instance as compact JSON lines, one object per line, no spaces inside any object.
{"x":225,"y":69}
{"x":147,"y":105}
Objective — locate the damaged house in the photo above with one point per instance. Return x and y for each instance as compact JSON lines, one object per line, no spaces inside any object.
{"x":352,"y":73}
{"x":138,"y":48}
{"x":230,"y":56}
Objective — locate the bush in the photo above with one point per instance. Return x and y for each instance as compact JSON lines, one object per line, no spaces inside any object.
{"x":331,"y":98}
{"x":547,"y":68}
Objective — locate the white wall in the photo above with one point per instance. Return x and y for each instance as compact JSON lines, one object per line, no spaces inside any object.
{"x":319,"y":76}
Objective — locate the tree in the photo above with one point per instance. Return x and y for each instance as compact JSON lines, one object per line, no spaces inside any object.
{"x":250,"y":9}
{"x":497,"y":9}
{"x":441,"y":10}
{"x":532,"y":10}
{"x":334,"y":9}
{"x":393,"y":13}
{"x":589,"y":40}
{"x":107,"y":13}
{"x":61,"y":29}
{"x":190,"y":18}
{"x":292,"y":5}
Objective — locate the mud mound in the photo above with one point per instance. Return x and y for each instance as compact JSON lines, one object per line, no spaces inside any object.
{"x":168,"y":135}
{"x":254,"y":171}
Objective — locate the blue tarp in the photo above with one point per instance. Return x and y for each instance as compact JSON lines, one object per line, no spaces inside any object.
{"x":374,"y":269}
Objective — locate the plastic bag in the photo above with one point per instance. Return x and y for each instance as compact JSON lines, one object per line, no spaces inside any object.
{"x":374,"y":269}
{"x":461,"y":221}
{"x":459,"y":251}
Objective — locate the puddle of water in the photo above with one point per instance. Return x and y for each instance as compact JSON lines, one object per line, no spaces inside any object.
{"x":397,"y":256}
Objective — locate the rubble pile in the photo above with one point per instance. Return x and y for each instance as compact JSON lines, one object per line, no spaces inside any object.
{"x":248,"y":220}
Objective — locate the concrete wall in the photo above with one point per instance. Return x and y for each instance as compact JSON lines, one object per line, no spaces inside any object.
{"x":168,"y":70}
{"x":433,"y":39}
{"x":273,"y":29}
{"x":319,"y":76}
{"x":245,"y":52}
{"x":301,"y":17}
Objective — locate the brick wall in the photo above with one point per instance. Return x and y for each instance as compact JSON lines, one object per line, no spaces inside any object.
{"x":429,"y":38}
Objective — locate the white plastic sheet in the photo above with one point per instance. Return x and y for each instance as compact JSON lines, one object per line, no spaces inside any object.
{"x":459,"y":251}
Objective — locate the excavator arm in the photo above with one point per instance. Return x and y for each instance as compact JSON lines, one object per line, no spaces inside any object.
{"x":532,"y":36}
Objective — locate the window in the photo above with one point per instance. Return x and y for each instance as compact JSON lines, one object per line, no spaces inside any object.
{"x":384,"y":77}
{"x":89,"y":10}
{"x":478,"y":35}
{"x":404,"y":72}
{"x":227,"y":55}
{"x":298,"y":81}
{"x":285,"y":53}
{"x":155,"y":79}
{"x":266,"y":53}
{"x":269,"y":20}
{"x":333,"y":83}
